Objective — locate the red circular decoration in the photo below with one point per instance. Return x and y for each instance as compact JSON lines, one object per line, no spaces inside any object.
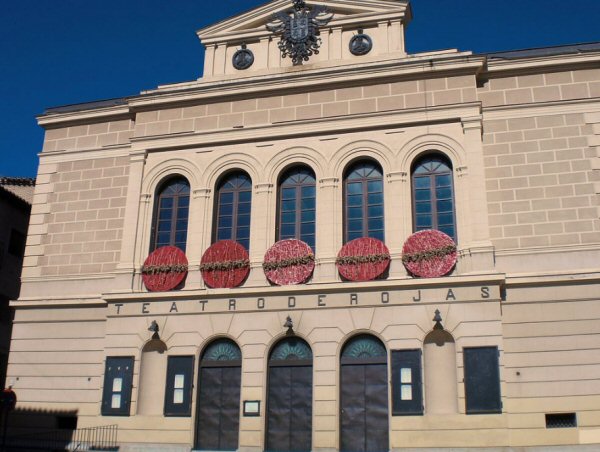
{"x":429,"y":254}
{"x":164,"y":269}
{"x":289,"y":262}
{"x":363,"y":259}
{"x":225,"y":265}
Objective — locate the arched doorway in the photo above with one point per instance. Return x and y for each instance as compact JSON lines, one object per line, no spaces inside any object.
{"x":364,"y":422}
{"x":218,"y":410}
{"x":289,"y":399}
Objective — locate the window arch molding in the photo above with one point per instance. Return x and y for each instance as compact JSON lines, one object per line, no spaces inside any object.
{"x":222,"y":166}
{"x":347,"y":338}
{"x":215,"y":340}
{"x":357,"y":150}
{"x":441,"y":144}
{"x":290,"y":157}
{"x":166,"y":170}
{"x":279,"y":338}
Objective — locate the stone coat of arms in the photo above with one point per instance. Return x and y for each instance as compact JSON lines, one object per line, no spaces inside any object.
{"x":300,"y":30}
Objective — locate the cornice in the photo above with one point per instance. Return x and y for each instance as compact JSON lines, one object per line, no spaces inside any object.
{"x":93,"y":115}
{"x":504,"y":68}
{"x":298,"y":128}
{"x":299,"y":78}
{"x":321,"y":288}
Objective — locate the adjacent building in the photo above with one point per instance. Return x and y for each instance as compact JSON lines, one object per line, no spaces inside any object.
{"x":360,"y":140}
{"x":16,"y":195}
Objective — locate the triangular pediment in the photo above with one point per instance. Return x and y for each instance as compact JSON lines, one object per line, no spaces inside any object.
{"x":255,"y":20}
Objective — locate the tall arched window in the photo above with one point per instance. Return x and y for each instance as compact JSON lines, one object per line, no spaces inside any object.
{"x":363,"y":201}
{"x":171,"y":214}
{"x":234,"y":200}
{"x":433,"y":195}
{"x":297,"y":205}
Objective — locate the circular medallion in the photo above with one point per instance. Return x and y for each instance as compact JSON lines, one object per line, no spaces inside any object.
{"x":360,"y":44}
{"x":429,"y":254}
{"x":289,"y":262}
{"x":243,"y":59}
{"x":363,"y":259}
{"x":225,"y":265}
{"x":164,"y":269}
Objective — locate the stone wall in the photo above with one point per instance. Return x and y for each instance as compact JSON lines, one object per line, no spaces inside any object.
{"x":78,"y":217}
{"x":540,"y":182}
{"x":305,"y":105}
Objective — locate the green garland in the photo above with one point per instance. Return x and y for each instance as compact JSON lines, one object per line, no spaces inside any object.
{"x":166,"y":268}
{"x":368,"y":259}
{"x":429,"y":254}
{"x":225,"y":266}
{"x":293,"y":261}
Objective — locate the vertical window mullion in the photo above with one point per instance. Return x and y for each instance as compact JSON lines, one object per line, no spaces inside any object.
{"x":234,"y":216}
{"x":365,"y":206}
{"x":434,"y":213}
{"x":173,"y":232}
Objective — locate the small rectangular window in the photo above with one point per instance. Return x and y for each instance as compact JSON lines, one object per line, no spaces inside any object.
{"x":561,"y":420}
{"x":178,"y":394}
{"x":118,"y":379}
{"x":407,"y":390}
{"x":482,"y":380}
{"x":16,"y":244}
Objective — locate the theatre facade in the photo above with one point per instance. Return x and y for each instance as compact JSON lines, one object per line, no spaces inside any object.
{"x":324,"y":243}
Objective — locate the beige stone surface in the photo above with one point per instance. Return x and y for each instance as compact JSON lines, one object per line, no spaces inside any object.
{"x":523,"y":138}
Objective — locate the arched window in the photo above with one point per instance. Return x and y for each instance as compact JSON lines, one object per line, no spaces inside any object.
{"x":233,"y":205}
{"x":363,"y":201}
{"x":171,"y":214}
{"x":297,"y":205}
{"x":433,"y":195}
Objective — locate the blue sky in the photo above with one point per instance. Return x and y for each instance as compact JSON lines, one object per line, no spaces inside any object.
{"x":58,"y":52}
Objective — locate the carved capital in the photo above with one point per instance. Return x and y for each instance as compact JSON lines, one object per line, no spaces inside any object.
{"x":397,"y":176}
{"x":202,"y":193}
{"x":264,"y":187}
{"x":331,"y":182}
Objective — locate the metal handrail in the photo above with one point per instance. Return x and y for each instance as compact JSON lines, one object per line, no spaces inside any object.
{"x":103,"y":438}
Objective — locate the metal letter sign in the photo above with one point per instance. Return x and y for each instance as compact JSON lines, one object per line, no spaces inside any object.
{"x":300,"y":30}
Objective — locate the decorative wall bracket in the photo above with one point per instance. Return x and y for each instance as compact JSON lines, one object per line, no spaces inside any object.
{"x":299,"y":30}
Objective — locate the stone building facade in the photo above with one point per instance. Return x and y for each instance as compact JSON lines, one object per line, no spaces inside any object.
{"x":15,"y":205}
{"x":520,"y":134}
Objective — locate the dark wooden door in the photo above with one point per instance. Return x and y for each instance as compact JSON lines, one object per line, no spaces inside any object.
{"x":289,"y":415}
{"x":218,"y":418}
{"x":364,"y":408}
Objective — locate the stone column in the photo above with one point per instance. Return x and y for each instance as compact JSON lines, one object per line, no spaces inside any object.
{"x":398,"y":219}
{"x":329,"y":229}
{"x":135,"y":213}
{"x":262,"y":231}
{"x":335,"y":43}
{"x":199,"y":234}
{"x":209,"y":60}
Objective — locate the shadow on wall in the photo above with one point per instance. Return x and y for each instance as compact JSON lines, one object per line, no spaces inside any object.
{"x":53,"y":431}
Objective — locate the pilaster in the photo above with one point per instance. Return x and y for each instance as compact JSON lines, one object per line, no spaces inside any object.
{"x":329,"y":232}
